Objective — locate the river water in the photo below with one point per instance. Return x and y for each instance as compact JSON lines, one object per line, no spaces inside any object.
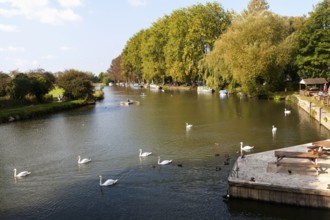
{"x":111,"y":135}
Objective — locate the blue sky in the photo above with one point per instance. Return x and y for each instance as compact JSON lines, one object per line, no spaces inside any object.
{"x":88,"y":34}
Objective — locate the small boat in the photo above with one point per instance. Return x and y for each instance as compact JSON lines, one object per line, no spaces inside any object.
{"x":204,"y":89}
{"x":128,"y":102}
{"x":136,"y":86}
{"x":154,"y":86}
{"x":223,"y":93}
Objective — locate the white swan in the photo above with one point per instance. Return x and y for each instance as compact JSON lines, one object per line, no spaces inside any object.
{"x":108,"y":182}
{"x":144,"y":154}
{"x":21,"y":174}
{"x":274,"y":129}
{"x":164,"y":162}
{"x":287,"y":111}
{"x":188,"y":125}
{"x":85,"y":160}
{"x":246,"y":148}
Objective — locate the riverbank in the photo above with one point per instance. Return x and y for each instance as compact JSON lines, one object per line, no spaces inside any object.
{"x":314,"y":108}
{"x":256,"y":176}
{"x":33,"y":111}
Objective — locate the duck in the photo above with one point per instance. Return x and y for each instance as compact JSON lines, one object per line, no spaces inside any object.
{"x":144,"y":154}
{"x":108,"y":182}
{"x":188,"y":125}
{"x":274,"y":129}
{"x":287,"y":111}
{"x":164,"y":162}
{"x":85,"y":160}
{"x":21,"y":174}
{"x":246,"y":148}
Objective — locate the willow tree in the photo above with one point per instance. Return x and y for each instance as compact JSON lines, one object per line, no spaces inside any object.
{"x":313,"y":43}
{"x":254,"y":51}
{"x":131,"y":58}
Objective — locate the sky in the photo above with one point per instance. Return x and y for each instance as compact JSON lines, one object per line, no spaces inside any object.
{"x":87,"y":35}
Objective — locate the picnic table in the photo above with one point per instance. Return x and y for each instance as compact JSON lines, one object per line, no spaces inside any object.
{"x":296,"y":154}
{"x":312,"y":156}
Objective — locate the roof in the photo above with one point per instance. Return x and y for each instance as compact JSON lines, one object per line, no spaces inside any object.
{"x":312,"y":81}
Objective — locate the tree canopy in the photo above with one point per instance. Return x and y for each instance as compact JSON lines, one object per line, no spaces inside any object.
{"x":253,"y":52}
{"x":313,"y":43}
{"x":77,"y":84}
{"x":173,"y":46}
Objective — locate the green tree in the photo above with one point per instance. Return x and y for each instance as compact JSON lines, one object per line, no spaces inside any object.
{"x":41,"y":83}
{"x":254,"y":52}
{"x":77,"y":84}
{"x":152,"y":50}
{"x":19,"y":86}
{"x":131,"y":58}
{"x":258,"y":5}
{"x":4,"y":83}
{"x":313,"y":43}
{"x":115,"y":71}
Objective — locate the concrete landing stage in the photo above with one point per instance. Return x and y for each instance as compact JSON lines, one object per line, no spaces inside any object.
{"x":294,"y":181}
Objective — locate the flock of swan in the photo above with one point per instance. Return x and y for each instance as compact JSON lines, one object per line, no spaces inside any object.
{"x":108,"y":182}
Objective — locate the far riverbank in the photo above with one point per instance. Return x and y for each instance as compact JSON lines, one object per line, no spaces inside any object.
{"x":33,"y":111}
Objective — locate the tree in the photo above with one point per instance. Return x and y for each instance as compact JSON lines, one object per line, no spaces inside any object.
{"x":41,"y":83}
{"x":4,"y":82}
{"x":257,"y":5}
{"x":115,"y":71}
{"x":131,"y":58}
{"x":77,"y":84}
{"x":313,"y":43}
{"x":152,"y":50}
{"x":254,"y":52}
{"x":19,"y":86}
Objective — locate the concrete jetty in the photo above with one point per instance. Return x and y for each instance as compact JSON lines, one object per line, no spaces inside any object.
{"x":295,"y":181}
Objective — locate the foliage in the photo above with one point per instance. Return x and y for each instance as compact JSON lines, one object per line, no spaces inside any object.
{"x":313,"y":43}
{"x":114,"y":72}
{"x":131,"y":58}
{"x":173,"y":46}
{"x":19,"y":86}
{"x":4,"y":82}
{"x":77,"y":84}
{"x":254,"y":52}
{"x":257,"y":5}
{"x":41,"y":83}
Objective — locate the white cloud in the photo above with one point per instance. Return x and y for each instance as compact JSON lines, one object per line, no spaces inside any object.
{"x":137,"y":2}
{"x":12,"y":49}
{"x":8,"y":28}
{"x":70,"y":3}
{"x":40,"y":10}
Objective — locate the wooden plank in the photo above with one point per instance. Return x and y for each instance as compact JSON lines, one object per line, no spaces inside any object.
{"x":292,"y":154}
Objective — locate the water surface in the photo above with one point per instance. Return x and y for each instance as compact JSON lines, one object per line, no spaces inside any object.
{"x":111,"y":135}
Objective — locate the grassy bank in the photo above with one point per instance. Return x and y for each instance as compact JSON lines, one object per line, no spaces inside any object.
{"x":32,"y":111}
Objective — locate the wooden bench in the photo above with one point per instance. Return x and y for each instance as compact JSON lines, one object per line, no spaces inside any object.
{"x":290,"y":165}
{"x":299,"y":155}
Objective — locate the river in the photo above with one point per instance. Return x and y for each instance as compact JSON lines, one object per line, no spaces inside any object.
{"x":111,"y":135}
